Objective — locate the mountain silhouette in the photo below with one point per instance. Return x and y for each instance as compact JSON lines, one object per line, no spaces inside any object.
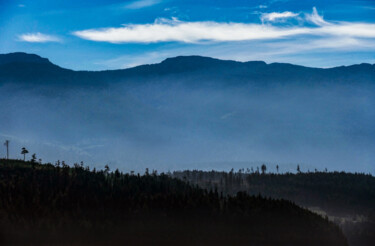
{"x":22,"y":58}
{"x":30,"y":68}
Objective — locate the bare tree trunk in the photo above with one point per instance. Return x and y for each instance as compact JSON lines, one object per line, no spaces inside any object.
{"x":7,"y":146}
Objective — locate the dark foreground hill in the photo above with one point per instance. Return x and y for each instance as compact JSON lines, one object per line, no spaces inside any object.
{"x":46,"y":204}
{"x":348,"y":199}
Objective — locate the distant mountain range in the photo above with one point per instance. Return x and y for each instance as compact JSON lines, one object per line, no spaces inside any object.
{"x":30,"y":68}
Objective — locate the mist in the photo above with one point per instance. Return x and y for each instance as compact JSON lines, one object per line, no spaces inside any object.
{"x":166,"y":125}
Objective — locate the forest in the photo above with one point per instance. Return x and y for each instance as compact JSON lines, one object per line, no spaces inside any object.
{"x":57,"y":204}
{"x":348,"y":199}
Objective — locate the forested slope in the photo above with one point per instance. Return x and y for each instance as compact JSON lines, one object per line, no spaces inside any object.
{"x":346,"y":198}
{"x":57,"y":204}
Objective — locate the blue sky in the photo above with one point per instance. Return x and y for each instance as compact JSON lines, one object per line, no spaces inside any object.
{"x":111,"y":34}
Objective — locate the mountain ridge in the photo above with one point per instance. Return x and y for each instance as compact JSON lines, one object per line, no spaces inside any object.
{"x":21,"y":68}
{"x":24,"y":57}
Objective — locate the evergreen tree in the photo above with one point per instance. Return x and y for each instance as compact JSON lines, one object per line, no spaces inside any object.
{"x":24,"y":151}
{"x":33,"y":158}
{"x":264,"y":168}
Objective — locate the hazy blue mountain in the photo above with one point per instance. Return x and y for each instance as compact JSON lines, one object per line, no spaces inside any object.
{"x":191,"y":112}
{"x":26,"y":68}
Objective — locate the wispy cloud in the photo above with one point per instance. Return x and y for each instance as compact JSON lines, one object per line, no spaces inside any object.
{"x":141,"y":4}
{"x":188,"y":32}
{"x":227,"y":115}
{"x":163,"y":30}
{"x":316,"y":19}
{"x":275,"y":16}
{"x":38,"y":38}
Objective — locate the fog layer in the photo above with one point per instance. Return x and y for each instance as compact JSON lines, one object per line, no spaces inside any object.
{"x":169,"y":126}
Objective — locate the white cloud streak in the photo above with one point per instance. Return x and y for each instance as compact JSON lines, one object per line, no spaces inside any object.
{"x":38,"y":38}
{"x":142,"y":4}
{"x":275,"y":16}
{"x":188,"y":32}
{"x":194,"y":32}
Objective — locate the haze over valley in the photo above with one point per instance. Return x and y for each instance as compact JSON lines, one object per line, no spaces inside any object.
{"x":191,"y":112}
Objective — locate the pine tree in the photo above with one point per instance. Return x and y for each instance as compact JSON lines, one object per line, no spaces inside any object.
{"x":24,"y":151}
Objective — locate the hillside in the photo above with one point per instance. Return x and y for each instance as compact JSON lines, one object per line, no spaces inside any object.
{"x":347,"y":199}
{"x":60,"y":205}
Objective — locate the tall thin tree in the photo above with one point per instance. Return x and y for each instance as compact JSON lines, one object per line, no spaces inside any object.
{"x":7,"y":146}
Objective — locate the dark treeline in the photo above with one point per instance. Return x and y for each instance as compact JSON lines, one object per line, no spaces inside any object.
{"x":338,"y":193}
{"x":347,"y":198}
{"x":57,"y":204}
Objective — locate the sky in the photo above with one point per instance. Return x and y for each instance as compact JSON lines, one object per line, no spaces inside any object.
{"x":114,"y":34}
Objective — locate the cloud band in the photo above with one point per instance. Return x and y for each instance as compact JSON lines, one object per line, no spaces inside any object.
{"x":193,"y":32}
